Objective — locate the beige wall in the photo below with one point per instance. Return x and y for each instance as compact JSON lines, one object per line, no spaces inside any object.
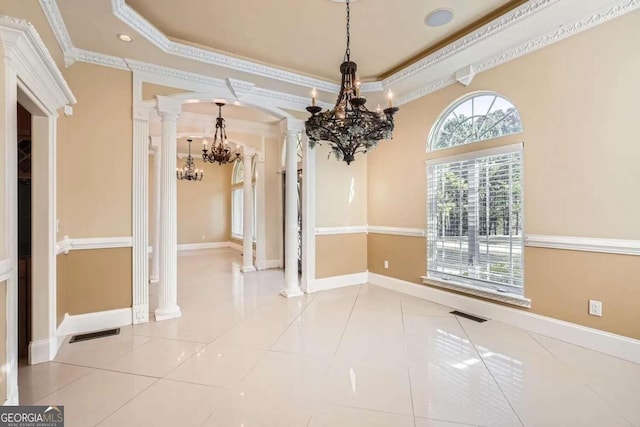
{"x":579,"y":111}
{"x":3,"y":340}
{"x":340,"y":254}
{"x":95,"y":154}
{"x":3,"y":186}
{"x":273,"y":198}
{"x":150,"y":91}
{"x":203,"y":207}
{"x":341,"y":190}
{"x":94,"y":280}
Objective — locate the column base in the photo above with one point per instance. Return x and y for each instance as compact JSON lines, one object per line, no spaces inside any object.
{"x":154,"y":279}
{"x":247,"y":268}
{"x":288,"y":293}
{"x":167,"y":313}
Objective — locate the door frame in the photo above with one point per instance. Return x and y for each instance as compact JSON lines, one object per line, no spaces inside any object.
{"x":29,"y":76}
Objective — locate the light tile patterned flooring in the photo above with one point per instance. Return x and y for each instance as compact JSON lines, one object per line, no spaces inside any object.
{"x":360,"y":356}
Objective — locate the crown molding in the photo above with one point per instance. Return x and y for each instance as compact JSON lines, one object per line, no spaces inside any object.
{"x":33,"y":63}
{"x":591,"y":20}
{"x":138,"y":23}
{"x":425,"y":76}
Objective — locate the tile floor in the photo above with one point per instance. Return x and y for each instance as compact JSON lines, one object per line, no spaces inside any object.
{"x":360,"y":356}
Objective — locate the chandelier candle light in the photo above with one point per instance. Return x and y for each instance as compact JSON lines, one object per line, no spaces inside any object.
{"x":220,"y":152}
{"x":349,"y":127}
{"x":189,"y":171}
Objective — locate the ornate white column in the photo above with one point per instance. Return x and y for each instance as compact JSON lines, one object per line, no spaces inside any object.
{"x":155,"y":260}
{"x":247,"y":211}
{"x":261,"y":248}
{"x":169,"y":110}
{"x":141,"y":214}
{"x":308,"y":215}
{"x":292,"y":288}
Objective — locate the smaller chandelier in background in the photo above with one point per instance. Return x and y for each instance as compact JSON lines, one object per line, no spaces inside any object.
{"x":220,"y":152}
{"x":189,"y":172}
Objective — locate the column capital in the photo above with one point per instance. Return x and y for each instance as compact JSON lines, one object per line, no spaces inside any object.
{"x":248,"y":151}
{"x":168,"y":108}
{"x":142,"y":111}
{"x":291,"y":125}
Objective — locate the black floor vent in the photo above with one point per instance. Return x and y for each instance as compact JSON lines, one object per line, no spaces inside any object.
{"x":468,"y":316}
{"x":94,"y":335}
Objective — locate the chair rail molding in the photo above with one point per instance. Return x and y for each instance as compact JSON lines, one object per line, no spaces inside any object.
{"x":397,"y":231}
{"x":347,"y":229}
{"x":86,"y":243}
{"x":586,"y":244}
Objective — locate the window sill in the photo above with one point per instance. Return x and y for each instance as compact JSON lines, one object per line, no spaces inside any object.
{"x":507,"y":298}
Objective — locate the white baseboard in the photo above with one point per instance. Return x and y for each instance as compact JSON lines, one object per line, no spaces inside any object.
{"x":236,"y":246}
{"x":81,"y":323}
{"x":272,"y":263}
{"x":42,"y":351}
{"x":334,"y":282}
{"x":594,"y":339}
{"x":206,"y":245}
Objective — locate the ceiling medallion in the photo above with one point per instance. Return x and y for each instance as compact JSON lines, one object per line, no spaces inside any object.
{"x":220,"y":152}
{"x":189,"y":171}
{"x":349,"y":127}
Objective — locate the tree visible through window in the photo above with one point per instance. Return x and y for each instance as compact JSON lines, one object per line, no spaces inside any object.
{"x":475,"y":215}
{"x":237,"y":200}
{"x":476,"y":118}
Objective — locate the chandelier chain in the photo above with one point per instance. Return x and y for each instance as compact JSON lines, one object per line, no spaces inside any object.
{"x":347,"y":54}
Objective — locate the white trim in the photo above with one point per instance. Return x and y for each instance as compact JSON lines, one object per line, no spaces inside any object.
{"x":397,"y":231}
{"x":235,"y":246}
{"x":495,"y":151}
{"x":87,"y":243}
{"x":507,"y":298}
{"x":335,"y":282}
{"x":200,"y":246}
{"x":586,"y":244}
{"x":5,"y":269}
{"x":271,"y":264}
{"x":134,"y":20}
{"x":604,"y":342}
{"x":42,"y":351}
{"x":89,"y":322}
{"x":348,"y":229}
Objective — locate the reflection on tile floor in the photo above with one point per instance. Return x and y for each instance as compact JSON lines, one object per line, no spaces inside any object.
{"x":243,"y":356}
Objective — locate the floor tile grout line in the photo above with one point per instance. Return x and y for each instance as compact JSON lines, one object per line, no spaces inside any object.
{"x":276,"y":340}
{"x":585,"y":382}
{"x":125,"y":403}
{"x":60,"y":388}
{"x":406,"y":350}
{"x":493,"y":377}
{"x":346,"y":324}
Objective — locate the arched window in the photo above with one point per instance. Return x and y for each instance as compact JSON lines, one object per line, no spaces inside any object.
{"x":475,"y":236}
{"x":476,"y":117}
{"x":237,"y":199}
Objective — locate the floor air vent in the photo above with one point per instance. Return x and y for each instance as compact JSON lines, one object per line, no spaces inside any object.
{"x":94,"y":335}
{"x":468,"y":316}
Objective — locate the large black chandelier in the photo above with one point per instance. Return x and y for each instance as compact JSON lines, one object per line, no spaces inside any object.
{"x":220,"y":152}
{"x":189,"y":172}
{"x":349,"y":127}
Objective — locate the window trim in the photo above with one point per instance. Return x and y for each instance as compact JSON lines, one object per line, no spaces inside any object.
{"x":468,"y":288}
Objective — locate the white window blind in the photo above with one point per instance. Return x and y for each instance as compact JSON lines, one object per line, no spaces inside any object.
{"x":475,"y":216}
{"x":236,"y":212}
{"x":237,"y":220}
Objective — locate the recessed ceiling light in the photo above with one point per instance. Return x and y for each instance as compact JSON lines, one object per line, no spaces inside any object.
{"x":125,"y":38}
{"x":438,"y":17}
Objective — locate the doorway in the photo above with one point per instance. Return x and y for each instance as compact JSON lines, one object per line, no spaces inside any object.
{"x":24,"y":231}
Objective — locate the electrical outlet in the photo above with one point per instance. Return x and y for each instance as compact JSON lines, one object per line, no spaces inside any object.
{"x":386,"y":264}
{"x":595,"y":308}
{"x":203,"y":237}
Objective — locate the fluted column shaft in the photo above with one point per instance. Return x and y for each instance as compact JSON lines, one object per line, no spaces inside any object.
{"x":157,"y":174}
{"x":169,"y":111}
